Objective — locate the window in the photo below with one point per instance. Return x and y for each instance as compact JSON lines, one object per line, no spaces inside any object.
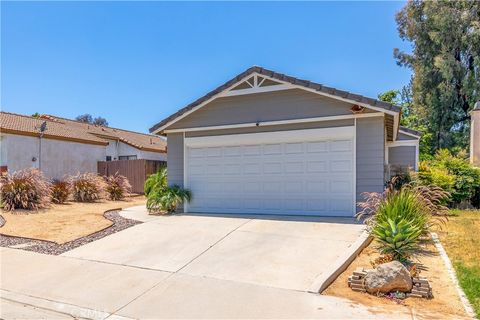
{"x":109,"y":158}
{"x":134,"y":157}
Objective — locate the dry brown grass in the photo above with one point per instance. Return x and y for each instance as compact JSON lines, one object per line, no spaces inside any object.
{"x":62,"y":223}
{"x":445,"y":304}
{"x":461,"y":237}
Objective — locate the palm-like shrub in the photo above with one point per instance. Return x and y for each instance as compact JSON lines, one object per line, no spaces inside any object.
{"x":25,"y":189}
{"x":87,"y":187}
{"x":156,"y":181}
{"x":117,"y":187}
{"x":60,"y":191}
{"x":167,"y":199}
{"x":397,"y":238}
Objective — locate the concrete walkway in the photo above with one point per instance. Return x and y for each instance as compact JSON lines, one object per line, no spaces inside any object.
{"x":186,"y":267}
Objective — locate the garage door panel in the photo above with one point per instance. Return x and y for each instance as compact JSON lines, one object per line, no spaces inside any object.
{"x":308,"y":177}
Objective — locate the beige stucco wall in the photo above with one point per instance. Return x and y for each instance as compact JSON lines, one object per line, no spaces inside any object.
{"x":58,"y":157}
{"x":117,"y":148}
{"x":475,"y":138}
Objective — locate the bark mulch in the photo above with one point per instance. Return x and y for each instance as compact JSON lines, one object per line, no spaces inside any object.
{"x":47,"y":247}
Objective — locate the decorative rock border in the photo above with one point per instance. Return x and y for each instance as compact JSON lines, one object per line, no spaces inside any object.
{"x":48,"y":247}
{"x":421,"y":286}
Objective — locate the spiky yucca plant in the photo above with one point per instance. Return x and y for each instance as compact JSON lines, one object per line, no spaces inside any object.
{"x":117,"y":187}
{"x":25,"y":189}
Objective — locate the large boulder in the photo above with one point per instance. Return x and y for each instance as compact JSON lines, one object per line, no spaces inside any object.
{"x":391,"y":276}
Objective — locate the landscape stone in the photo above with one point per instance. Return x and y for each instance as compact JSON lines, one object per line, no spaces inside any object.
{"x":387,"y":277}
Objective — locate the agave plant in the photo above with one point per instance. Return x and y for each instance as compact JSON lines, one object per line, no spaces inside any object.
{"x":167,"y":199}
{"x":397,"y":238}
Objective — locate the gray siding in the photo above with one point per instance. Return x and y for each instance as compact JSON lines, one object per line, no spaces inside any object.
{"x":269,"y":106}
{"x":175,"y":158}
{"x":402,"y":156}
{"x":295,"y":126}
{"x":370,"y":155}
{"x":404,"y":137}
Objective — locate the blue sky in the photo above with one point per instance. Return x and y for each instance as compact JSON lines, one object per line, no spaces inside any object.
{"x":136,"y":63}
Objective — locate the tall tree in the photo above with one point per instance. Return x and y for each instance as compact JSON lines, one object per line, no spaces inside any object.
{"x":99,"y":121}
{"x":445,"y":61}
{"x":87,"y":118}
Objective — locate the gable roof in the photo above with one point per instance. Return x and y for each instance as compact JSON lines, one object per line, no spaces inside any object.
{"x":412,"y":132}
{"x":71,"y":130}
{"x":306,"y":84}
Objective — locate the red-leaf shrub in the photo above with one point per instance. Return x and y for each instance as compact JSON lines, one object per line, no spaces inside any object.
{"x":87,"y":187}
{"x":117,"y":187}
{"x":60,"y":191}
{"x":25,"y":189}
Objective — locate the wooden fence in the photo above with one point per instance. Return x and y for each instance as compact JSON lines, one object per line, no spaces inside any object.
{"x":136,"y":171}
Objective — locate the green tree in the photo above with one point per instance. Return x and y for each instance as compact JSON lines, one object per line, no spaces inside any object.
{"x":445,"y":60}
{"x":36,"y":115}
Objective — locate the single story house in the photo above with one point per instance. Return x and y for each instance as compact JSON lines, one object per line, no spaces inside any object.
{"x":69,"y":147}
{"x":269,"y":143}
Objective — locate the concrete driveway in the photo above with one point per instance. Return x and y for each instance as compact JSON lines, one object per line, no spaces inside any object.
{"x":188,"y":266}
{"x":279,"y":252}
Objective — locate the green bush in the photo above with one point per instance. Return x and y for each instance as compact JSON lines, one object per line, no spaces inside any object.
{"x":161,"y":197}
{"x":156,"y":181}
{"x":454,"y":174}
{"x":167,"y":199}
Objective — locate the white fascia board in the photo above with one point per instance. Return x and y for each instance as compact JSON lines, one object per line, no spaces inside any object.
{"x":279,"y":122}
{"x":346,"y":132}
{"x":290,"y":86}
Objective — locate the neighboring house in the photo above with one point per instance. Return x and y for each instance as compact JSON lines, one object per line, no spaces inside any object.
{"x":268,"y":143}
{"x":69,"y":147}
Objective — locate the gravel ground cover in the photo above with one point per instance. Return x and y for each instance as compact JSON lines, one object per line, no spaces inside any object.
{"x":47,"y":247}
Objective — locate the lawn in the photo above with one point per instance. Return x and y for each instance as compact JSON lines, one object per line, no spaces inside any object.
{"x":461,"y":239}
{"x":62,"y":223}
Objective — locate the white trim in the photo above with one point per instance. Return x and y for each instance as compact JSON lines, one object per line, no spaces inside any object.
{"x":394,"y":113}
{"x":253,"y":90}
{"x":270,"y":137}
{"x":406,"y":143}
{"x":185,"y":186}
{"x":355,"y":167}
{"x":279,"y":122}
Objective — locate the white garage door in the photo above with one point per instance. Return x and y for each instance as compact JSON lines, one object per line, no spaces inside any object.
{"x":302,"y":172}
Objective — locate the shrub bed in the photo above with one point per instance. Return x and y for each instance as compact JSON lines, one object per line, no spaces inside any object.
{"x":25,"y":189}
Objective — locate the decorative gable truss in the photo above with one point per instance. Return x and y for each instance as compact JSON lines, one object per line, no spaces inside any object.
{"x":256,"y":84}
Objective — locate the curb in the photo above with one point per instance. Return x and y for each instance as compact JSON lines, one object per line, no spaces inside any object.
{"x":341,"y":264}
{"x":451,"y":271}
